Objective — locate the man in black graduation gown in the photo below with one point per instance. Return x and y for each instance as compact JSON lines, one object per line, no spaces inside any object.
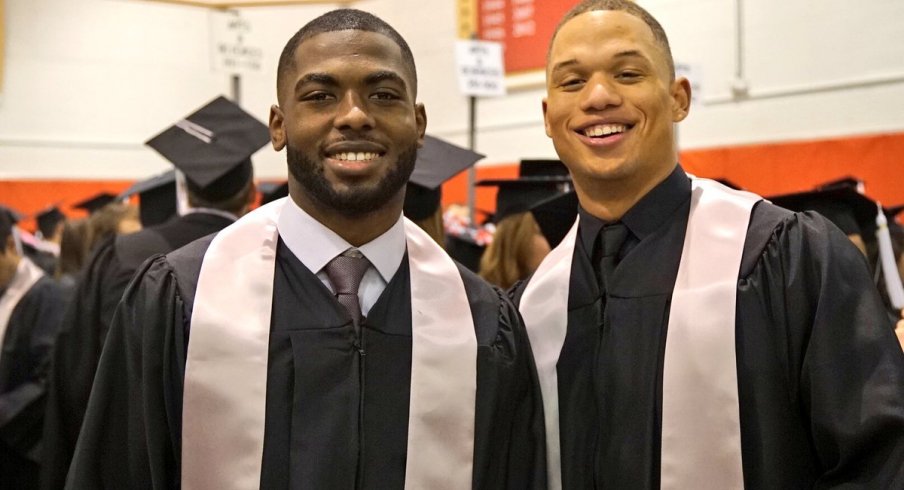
{"x":819,"y":375}
{"x":220,"y":188}
{"x":31,"y":305}
{"x":340,"y":368}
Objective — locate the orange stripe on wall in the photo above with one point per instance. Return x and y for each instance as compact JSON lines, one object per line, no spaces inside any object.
{"x":766,"y":169}
{"x":31,"y":196}
{"x":780,"y":168}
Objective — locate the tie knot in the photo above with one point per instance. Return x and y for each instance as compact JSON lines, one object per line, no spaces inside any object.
{"x":346,"y":270}
{"x":613,"y":237}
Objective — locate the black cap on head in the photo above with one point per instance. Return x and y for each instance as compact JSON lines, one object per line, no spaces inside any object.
{"x":94,"y":203}
{"x":546,"y":169}
{"x":519,"y":196}
{"x":555,"y":216}
{"x":539,"y":180}
{"x":213,"y":148}
{"x":157,"y":198}
{"x":48,"y":220}
{"x":271,"y":191}
{"x":437,"y":162}
{"x":848,"y":209}
{"x":8,"y":218}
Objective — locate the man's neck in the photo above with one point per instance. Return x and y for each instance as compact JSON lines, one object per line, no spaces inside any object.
{"x":356,"y":230}
{"x":609,"y":200}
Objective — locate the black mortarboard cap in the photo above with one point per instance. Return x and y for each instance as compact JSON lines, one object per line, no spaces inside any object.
{"x":465,"y":251}
{"x":519,"y":196}
{"x":848,"y":209}
{"x":8,"y":218}
{"x":95,"y":202}
{"x":545,"y":169}
{"x":538,"y":181}
{"x":156,"y":197}
{"x":556,"y":215}
{"x":48,"y":220}
{"x":213,"y":148}
{"x":437,"y":162}
{"x":271,"y":191}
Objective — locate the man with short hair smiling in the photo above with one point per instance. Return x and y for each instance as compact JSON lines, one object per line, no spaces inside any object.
{"x":688,"y":336}
{"x":331,"y":344}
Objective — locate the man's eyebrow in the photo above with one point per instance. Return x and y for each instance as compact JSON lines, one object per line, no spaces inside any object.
{"x":321,"y":78}
{"x":384,"y":76}
{"x":631,"y":53}
{"x":563,"y":64}
{"x":628,"y":53}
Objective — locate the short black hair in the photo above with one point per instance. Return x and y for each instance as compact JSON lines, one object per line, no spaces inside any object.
{"x":628,"y":7}
{"x":343,"y":20}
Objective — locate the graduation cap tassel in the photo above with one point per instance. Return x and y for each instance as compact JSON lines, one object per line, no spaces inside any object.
{"x":887,"y":260}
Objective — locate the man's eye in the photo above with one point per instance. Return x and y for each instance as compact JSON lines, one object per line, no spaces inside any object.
{"x":317,"y":96}
{"x":572,"y":83}
{"x":385,"y":96}
{"x":628,"y":75}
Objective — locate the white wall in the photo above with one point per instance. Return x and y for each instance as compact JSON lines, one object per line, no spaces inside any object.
{"x":88,"y":81}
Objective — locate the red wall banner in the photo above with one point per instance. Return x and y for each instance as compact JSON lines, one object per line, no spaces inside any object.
{"x":524,"y":27}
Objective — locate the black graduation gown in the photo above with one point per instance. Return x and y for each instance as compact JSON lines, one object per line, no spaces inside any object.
{"x":820,"y":374}
{"x":335,"y":419}
{"x":24,"y":361}
{"x":85,"y":326}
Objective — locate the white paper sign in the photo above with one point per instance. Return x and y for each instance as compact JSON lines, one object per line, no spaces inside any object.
{"x":229,"y":50}
{"x":481,"y":71}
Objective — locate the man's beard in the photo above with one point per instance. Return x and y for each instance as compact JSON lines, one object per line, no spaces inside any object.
{"x":357,"y":201}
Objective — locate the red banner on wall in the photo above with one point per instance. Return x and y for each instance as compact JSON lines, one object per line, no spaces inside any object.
{"x":524,"y":27}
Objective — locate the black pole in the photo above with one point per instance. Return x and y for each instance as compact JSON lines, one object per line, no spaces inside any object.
{"x":472,"y":172}
{"x":237,"y":89}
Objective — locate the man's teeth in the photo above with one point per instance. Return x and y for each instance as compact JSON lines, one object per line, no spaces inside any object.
{"x":356,"y":157}
{"x":605,"y":130}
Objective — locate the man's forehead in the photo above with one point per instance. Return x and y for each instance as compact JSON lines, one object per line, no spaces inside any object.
{"x":601,"y":26}
{"x":328,"y":48}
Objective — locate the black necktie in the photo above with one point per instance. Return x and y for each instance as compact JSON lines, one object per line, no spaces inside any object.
{"x":612,"y":237}
{"x":345,"y":272}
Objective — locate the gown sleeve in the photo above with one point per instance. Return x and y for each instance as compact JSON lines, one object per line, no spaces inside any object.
{"x":507,"y":378}
{"x":844,"y":367}
{"x":130,"y":434}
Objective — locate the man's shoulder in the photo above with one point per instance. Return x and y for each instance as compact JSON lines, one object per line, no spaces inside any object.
{"x":186,"y":261}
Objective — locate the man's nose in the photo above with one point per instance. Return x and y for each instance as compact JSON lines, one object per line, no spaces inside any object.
{"x":353,"y":113}
{"x":599,"y":95}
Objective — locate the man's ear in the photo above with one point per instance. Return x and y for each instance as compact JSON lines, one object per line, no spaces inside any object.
{"x":420,"y":117}
{"x":545,"y":120}
{"x":681,"y":99}
{"x":277,"y":128}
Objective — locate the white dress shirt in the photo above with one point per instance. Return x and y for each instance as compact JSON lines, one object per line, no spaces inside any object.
{"x":315,"y":245}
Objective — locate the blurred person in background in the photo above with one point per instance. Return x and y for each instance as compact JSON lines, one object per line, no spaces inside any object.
{"x":220,"y":188}
{"x":518,"y":244}
{"x":31,"y":305}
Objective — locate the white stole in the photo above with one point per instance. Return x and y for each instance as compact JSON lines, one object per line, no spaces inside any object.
{"x":27,"y":274}
{"x":226,"y":368}
{"x":701,"y":439}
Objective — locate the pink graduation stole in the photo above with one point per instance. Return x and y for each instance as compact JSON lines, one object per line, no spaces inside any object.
{"x":701,"y":432}
{"x":226,"y":368}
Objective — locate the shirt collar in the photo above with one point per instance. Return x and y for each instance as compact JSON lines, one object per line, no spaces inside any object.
{"x":315,"y":245}
{"x":648,"y":214}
